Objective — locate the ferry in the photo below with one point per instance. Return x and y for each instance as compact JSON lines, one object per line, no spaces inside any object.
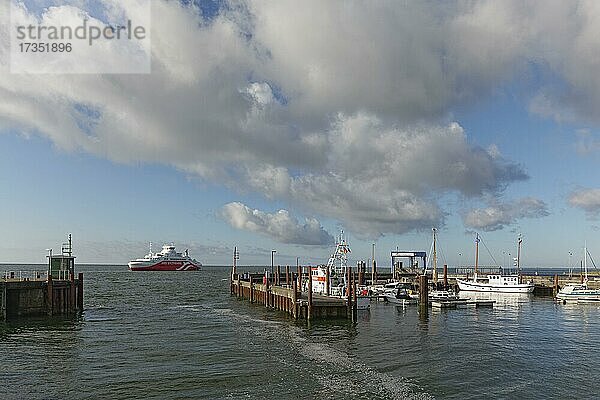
{"x":166,"y":260}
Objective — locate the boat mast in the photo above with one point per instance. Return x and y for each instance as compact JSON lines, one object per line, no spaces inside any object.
{"x":585,"y":260}
{"x":476,"y":253}
{"x":373,"y":265}
{"x":435,"y":277}
{"x":519,"y":240}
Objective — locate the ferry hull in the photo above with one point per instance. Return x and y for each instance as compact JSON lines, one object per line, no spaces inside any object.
{"x":466,"y":286}
{"x":165,"y":266}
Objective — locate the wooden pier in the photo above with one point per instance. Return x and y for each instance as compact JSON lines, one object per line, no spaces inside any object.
{"x":43,"y":293}
{"x":272,"y":292}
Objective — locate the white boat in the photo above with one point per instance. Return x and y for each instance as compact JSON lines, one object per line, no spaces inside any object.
{"x":579,"y":292}
{"x":166,"y":260}
{"x":443,"y":295}
{"x":399,"y":296}
{"x":336,"y":269}
{"x":497,"y":283}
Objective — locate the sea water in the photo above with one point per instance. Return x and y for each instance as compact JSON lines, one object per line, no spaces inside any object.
{"x":171,"y":335}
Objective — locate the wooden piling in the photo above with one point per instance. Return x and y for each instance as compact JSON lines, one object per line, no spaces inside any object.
{"x":361,"y":273}
{"x":80,"y":291}
{"x":310,"y":294}
{"x":445,"y":276}
{"x":328,"y":281}
{"x":354,"y":300}
{"x":287,"y":275}
{"x":423,"y":290}
{"x":278,"y":276}
{"x":555,"y":288}
{"x":299,"y":279}
{"x":348,"y":291}
{"x":295,"y":299}
{"x":50,"y":289}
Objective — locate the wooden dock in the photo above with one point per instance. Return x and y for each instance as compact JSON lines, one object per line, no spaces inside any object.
{"x":273,"y":293}
{"x":55,"y":291}
{"x":23,"y":294}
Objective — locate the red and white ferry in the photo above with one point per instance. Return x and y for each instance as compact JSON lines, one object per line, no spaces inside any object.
{"x":165,"y":260}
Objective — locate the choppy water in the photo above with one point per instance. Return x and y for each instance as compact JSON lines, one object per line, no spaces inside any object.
{"x":180,"y":335}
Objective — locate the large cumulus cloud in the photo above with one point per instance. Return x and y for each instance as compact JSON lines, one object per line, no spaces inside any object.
{"x":341,"y":108}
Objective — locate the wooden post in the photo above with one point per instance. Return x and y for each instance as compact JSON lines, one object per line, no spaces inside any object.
{"x":423,"y":291}
{"x":327,"y":281}
{"x":361,"y":273}
{"x":295,"y":299}
{"x":348,"y":292}
{"x":251,"y":290}
{"x":310,"y":295}
{"x":50,"y":293}
{"x":3,"y":303}
{"x":354,"y":300}
{"x":445,"y":276}
{"x":287,"y":275}
{"x":278,"y":277}
{"x":555,"y":288}
{"x":299,"y":279}
{"x":80,"y":291}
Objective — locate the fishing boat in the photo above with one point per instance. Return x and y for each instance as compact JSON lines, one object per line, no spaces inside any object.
{"x":331,"y":279}
{"x":168,"y":259}
{"x":499,"y":283}
{"x":399,"y":296}
{"x":580,"y":292}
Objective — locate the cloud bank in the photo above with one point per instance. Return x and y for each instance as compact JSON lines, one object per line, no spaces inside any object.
{"x":279,"y":226}
{"x":500,"y":215}
{"x":587,"y":200}
{"x":339,"y":109}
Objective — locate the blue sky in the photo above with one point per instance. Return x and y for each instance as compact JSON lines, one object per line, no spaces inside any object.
{"x":379,"y":135}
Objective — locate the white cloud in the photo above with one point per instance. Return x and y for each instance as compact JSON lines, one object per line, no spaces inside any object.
{"x":339,"y":109}
{"x":498,"y":216}
{"x":587,"y":200}
{"x":280,"y":226}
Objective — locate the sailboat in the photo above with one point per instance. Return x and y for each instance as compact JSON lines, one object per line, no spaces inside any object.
{"x":497,"y":283}
{"x":580,"y":292}
{"x":440,"y":295}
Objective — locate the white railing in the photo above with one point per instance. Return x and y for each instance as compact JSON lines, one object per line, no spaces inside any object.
{"x":19,"y":276}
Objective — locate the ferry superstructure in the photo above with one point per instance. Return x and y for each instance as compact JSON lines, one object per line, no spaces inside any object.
{"x":168,"y":259}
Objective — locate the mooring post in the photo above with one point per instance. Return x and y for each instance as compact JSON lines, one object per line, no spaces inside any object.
{"x":348,"y":292}
{"x":555,"y":288}
{"x":445,"y":276}
{"x":50,"y":293}
{"x":423,"y":291}
{"x":361,"y":274}
{"x":287,"y":275}
{"x":278,"y":277}
{"x":310,"y":294}
{"x":299,"y":279}
{"x":80,"y":291}
{"x":3,"y":303}
{"x":327,"y":281}
{"x":354,"y":300}
{"x":295,"y":299}
{"x":72,"y":292}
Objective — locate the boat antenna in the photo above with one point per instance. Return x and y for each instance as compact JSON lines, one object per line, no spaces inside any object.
{"x":519,"y":241}
{"x":476,"y":253}
{"x":435,"y":277}
{"x":150,"y":248}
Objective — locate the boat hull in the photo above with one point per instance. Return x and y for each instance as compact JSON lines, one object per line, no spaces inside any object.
{"x":165,"y":266}
{"x":469,"y":286}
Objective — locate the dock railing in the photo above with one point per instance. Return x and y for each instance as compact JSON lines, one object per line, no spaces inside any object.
{"x":20,"y":276}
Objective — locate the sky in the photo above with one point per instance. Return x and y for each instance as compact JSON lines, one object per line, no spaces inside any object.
{"x":274,"y":125}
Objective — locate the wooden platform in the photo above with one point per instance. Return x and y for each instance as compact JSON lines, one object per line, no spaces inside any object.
{"x":461,"y":303}
{"x":286,"y":297}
